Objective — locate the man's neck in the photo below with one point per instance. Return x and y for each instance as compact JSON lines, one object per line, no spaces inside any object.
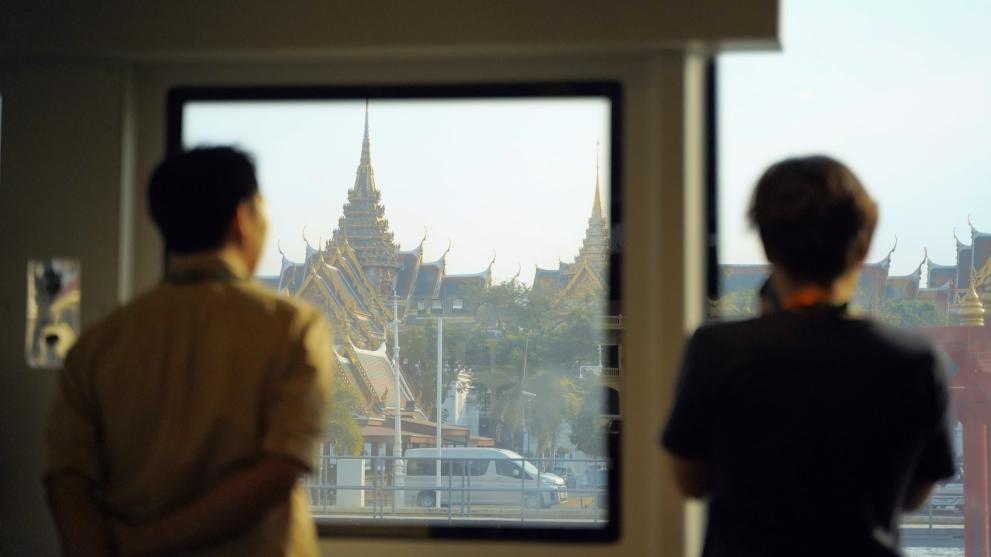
{"x":839,"y":292}
{"x":228,"y":255}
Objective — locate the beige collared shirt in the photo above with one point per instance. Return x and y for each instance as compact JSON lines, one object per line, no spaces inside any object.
{"x":161,"y":399}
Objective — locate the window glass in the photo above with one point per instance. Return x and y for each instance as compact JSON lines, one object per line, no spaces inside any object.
{"x":507,"y":468}
{"x":899,"y":91}
{"x":481,"y":226}
{"x":479,"y":467}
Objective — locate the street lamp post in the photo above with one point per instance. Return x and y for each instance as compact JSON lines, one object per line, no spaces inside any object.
{"x":397,"y":439}
{"x":440,"y":352}
{"x":525,"y":442}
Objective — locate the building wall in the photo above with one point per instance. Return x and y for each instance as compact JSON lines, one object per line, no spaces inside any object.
{"x":82,"y":123}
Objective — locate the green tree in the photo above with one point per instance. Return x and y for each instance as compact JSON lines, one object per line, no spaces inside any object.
{"x":342,"y":429}
{"x":587,"y":431}
{"x":912,"y":313}
{"x":512,"y":323}
{"x":502,"y":390}
{"x":418,"y":351}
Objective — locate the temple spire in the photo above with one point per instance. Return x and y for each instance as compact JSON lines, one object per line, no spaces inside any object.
{"x":363,"y":225}
{"x":597,"y":203}
{"x":364,"y":181}
{"x":595,"y":247}
{"x":366,"y":155}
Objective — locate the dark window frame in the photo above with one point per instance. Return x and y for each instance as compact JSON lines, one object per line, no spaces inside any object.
{"x":607,"y":531}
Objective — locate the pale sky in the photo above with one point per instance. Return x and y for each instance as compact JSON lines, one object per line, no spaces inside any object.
{"x":516,"y":176}
{"x":900,"y":91}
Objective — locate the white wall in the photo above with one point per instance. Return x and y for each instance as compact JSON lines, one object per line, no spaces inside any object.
{"x":83,"y":90}
{"x":60,"y":183}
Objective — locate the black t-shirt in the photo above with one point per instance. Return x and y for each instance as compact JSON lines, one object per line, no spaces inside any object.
{"x":814,"y":425}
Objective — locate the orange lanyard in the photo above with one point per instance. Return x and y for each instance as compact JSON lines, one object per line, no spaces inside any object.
{"x":807,"y":297}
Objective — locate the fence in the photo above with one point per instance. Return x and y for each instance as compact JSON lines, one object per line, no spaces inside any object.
{"x":477,"y":488}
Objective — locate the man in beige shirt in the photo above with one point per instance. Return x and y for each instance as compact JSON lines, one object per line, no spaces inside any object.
{"x":184,"y":420}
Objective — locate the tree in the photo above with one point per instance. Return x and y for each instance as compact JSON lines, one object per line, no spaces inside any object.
{"x":912,"y":313}
{"x":342,"y":429}
{"x":418,"y":350}
{"x":587,"y":431}
{"x":555,"y":400}
{"x":513,"y":323}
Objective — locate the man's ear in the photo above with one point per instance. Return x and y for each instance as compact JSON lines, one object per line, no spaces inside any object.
{"x":237,"y":228}
{"x":860,"y":252}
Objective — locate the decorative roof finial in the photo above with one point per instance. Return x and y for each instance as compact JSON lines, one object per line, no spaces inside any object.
{"x":519,"y":269}
{"x":366,"y":156}
{"x":307,"y":242}
{"x":973,"y":231}
{"x":597,"y":204}
{"x":959,"y":243}
{"x":887,"y":258}
{"x":925,"y":258}
{"x":278,"y":244}
{"x":424,"y":239}
{"x":447,"y":250}
{"x":489,"y":268}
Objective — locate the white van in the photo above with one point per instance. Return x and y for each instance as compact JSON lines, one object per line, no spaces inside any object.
{"x":479,"y":476}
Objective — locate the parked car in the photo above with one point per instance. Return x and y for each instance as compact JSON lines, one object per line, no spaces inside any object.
{"x":567,"y":474}
{"x":479,"y":475}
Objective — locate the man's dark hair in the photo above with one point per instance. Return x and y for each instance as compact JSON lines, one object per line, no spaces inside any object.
{"x":193,"y":195}
{"x":814,"y":217}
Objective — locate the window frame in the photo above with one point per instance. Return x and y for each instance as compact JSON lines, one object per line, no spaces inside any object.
{"x":609,"y":531}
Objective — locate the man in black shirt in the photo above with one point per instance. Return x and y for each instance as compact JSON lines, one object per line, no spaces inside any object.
{"x":809,"y":430}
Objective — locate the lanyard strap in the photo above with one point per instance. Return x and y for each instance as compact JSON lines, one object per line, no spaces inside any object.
{"x":807,"y":297}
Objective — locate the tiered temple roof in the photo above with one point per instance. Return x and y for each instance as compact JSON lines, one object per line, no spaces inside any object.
{"x":364,"y":226}
{"x":588,"y":274}
{"x":352,"y":280}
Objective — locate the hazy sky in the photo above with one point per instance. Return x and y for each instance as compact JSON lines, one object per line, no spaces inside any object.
{"x":513,"y":176}
{"x":900,"y":91}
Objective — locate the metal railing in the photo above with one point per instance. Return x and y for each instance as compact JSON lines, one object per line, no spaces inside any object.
{"x":471,"y":488}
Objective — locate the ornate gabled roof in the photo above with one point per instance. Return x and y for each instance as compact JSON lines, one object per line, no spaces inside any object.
{"x":458,"y":285}
{"x":916,"y":274}
{"x":454,"y":285}
{"x":975,"y":233}
{"x":377,"y":368}
{"x":428,"y":279}
{"x":409,"y":266}
{"x":933,"y":265}
{"x":310,"y":250}
{"x":938,"y":275}
{"x":426,"y":284}
{"x":960,"y":245}
{"x":980,"y":247}
{"x":292,"y":277}
{"x":965,"y":262}
{"x":584,"y":277}
{"x":345,"y":259}
{"x":884,"y":263}
{"x":551,"y":278}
